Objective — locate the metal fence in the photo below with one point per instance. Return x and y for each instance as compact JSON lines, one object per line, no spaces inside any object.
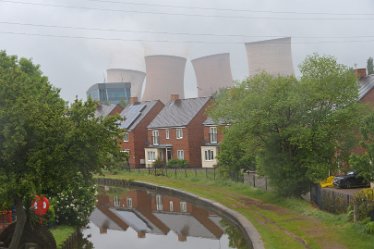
{"x":211,"y":173}
{"x":256,"y":181}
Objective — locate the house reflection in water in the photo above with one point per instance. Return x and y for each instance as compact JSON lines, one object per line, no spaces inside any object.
{"x":147,"y":212}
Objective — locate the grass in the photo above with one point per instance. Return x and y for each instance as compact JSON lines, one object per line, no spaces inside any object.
{"x":62,"y":233}
{"x":282,"y":223}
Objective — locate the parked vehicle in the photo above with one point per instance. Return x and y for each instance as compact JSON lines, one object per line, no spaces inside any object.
{"x":351,"y":180}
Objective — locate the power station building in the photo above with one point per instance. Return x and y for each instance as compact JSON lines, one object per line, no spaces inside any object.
{"x":165,"y":76}
{"x":271,"y":56}
{"x":134,"y":77}
{"x":110,"y":93}
{"x":212,"y":72}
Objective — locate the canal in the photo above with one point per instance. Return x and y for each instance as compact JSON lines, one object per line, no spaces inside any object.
{"x":141,"y":218}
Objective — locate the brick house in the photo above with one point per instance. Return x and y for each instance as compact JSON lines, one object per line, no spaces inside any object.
{"x":213,"y":136}
{"x":137,"y":117}
{"x":366,"y":86}
{"x":177,"y":132}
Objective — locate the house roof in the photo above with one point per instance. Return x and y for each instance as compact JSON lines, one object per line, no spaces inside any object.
{"x":178,"y":113}
{"x":365,"y":86}
{"x":104,"y":110}
{"x":210,"y":121}
{"x":135,"y":113}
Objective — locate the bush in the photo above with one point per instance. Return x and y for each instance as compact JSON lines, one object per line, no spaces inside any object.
{"x":177,"y":163}
{"x":74,"y":204}
{"x":364,"y":203}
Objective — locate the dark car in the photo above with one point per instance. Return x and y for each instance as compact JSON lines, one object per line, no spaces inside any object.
{"x":351,"y":180}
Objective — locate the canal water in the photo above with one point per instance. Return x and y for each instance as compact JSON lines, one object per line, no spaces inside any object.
{"x":139,"y":218}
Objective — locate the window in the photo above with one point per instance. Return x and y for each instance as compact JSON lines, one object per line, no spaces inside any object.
{"x":167,"y":134}
{"x":151,"y":156}
{"x":126,"y":137}
{"x":180,"y":154}
{"x":179,"y":133}
{"x":213,"y":135}
{"x":155,"y":136}
{"x":171,"y":206}
{"x":129,"y":202}
{"x":183,"y":206}
{"x":159,"y":206}
{"x":116,"y":201}
{"x":209,"y":155}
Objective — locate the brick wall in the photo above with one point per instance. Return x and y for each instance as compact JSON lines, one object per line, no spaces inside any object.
{"x":138,"y":137}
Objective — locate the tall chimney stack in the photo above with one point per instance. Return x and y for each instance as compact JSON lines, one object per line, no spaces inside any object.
{"x":133,"y":100}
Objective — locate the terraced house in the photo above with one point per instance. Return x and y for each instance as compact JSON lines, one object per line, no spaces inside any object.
{"x":178,"y":132}
{"x":137,"y":116}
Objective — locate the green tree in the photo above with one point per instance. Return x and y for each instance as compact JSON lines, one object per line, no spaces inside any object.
{"x":294,"y":128}
{"x":364,"y":163}
{"x":370,"y":66}
{"x":43,"y":142}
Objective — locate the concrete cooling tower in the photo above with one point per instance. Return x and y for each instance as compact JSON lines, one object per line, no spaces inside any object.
{"x":212,"y":72}
{"x":135,"y":78}
{"x":165,"y":76}
{"x":272,"y":56}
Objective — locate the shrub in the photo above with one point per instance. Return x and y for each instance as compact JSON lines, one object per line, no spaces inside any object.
{"x":75,"y":203}
{"x":177,"y":163}
{"x":364,"y":203}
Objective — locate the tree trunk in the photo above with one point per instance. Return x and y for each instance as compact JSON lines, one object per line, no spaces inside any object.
{"x":20,"y":225}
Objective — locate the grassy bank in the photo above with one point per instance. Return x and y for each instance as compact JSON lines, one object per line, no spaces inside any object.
{"x":62,"y":233}
{"x":282,"y":223}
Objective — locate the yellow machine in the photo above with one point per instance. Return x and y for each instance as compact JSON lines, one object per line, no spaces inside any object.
{"x":329,"y":182}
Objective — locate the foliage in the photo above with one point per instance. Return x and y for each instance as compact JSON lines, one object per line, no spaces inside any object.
{"x":363,"y":163}
{"x":370,"y":65}
{"x":177,"y":163}
{"x":44,"y":142}
{"x":369,"y":227}
{"x":364,"y":203}
{"x":75,"y":203}
{"x":158,"y":163}
{"x":297,"y":130}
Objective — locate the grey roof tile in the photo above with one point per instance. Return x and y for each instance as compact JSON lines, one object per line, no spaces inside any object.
{"x":178,"y":113}
{"x":103,"y":110}
{"x":366,"y":84}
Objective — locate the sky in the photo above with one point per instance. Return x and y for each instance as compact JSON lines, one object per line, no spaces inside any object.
{"x":74,"y":42}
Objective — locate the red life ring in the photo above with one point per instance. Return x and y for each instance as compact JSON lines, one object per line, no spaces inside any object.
{"x":40,"y":204}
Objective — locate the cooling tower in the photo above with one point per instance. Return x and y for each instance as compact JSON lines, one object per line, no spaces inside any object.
{"x":212,"y":72}
{"x":136,"y":78}
{"x":165,"y":76}
{"x":271,"y":56}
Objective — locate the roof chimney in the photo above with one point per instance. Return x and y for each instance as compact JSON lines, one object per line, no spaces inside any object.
{"x":174,"y":97}
{"x":360,"y":73}
{"x":133,"y":100}
{"x":182,"y":238}
{"x":141,"y":234}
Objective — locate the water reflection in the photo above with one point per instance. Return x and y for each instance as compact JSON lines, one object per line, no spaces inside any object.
{"x":139,"y":218}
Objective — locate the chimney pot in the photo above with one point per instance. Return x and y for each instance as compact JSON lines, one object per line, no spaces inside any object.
{"x":133,"y":100}
{"x":360,"y":73}
{"x":174,"y":97}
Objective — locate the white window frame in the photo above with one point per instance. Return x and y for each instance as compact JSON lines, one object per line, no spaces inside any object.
{"x":180,"y":154}
{"x":171,"y":206}
{"x":183,"y":206}
{"x":159,"y":206}
{"x":213,"y":135}
{"x":126,"y":137}
{"x":116,"y":201}
{"x":167,"y":134}
{"x":129,"y":202}
{"x":155,"y":137}
{"x":151,"y":156}
{"x":179,"y":133}
{"x":209,"y":155}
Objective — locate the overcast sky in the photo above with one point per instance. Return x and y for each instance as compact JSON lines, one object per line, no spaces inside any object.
{"x":76,"y":41}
